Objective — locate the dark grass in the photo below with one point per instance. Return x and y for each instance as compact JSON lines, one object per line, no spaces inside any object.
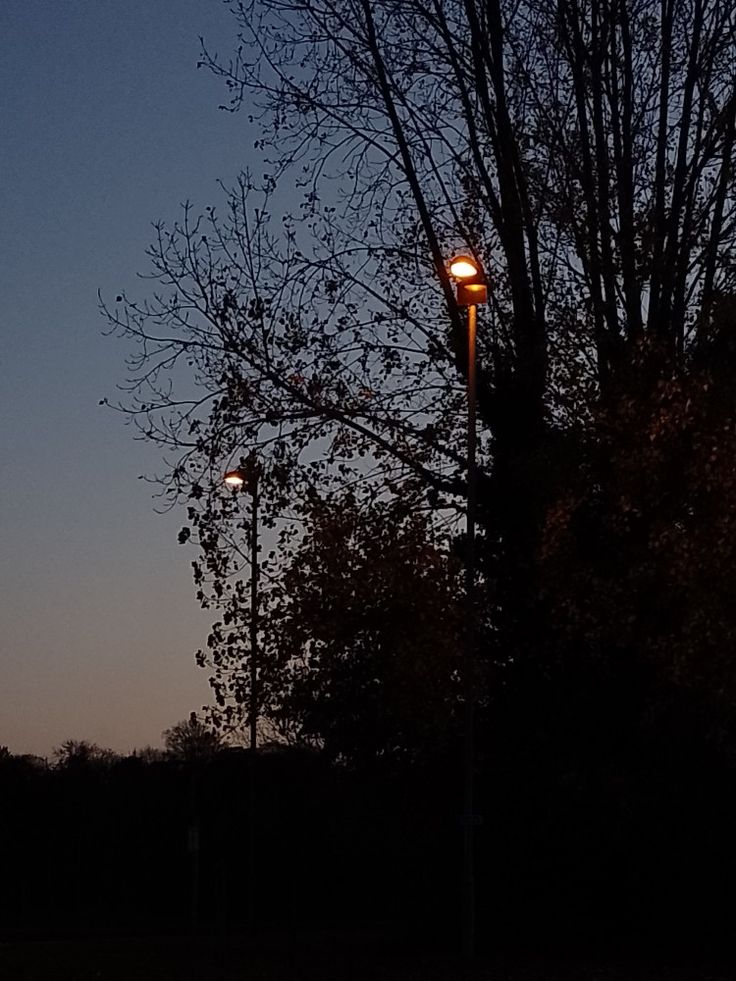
{"x":323,"y":955}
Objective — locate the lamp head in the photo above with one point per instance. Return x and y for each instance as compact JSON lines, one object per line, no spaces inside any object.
{"x":245,"y":476}
{"x":464,"y":267}
{"x":471,"y":280}
{"x":235,"y":478}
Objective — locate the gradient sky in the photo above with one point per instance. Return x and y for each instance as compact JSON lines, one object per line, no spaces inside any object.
{"x":106,"y":126}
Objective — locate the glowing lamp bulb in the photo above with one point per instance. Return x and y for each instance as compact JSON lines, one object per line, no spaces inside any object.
{"x":234,"y":478}
{"x":463,"y":267}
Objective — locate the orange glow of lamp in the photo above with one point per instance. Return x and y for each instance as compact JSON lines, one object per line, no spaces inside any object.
{"x":234,"y":479}
{"x":471,"y":281}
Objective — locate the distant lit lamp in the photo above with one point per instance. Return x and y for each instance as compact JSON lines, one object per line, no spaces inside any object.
{"x":246,"y":478}
{"x":471,"y":289}
{"x":235,"y":478}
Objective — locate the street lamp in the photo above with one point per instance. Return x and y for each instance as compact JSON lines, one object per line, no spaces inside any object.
{"x":471,"y":289}
{"x":246,"y":478}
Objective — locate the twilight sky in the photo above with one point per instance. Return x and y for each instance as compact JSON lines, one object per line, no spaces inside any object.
{"x":106,"y":125}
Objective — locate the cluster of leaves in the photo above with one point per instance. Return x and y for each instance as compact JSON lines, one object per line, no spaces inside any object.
{"x":639,"y":556}
{"x":367,"y":619}
{"x":360,"y":650}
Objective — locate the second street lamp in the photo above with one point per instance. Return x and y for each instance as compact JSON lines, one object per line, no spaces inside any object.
{"x":246,"y":478}
{"x":471,"y":289}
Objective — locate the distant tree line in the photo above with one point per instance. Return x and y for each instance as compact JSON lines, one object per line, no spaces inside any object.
{"x":580,"y":845}
{"x":156,"y":841}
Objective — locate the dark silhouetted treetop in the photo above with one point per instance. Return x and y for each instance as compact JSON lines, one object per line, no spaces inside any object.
{"x":82,"y":755}
{"x":192,"y":739}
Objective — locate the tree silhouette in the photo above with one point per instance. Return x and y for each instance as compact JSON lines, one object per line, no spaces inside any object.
{"x":192,"y":739}
{"x":80,"y":754}
{"x":367,"y":624}
{"x":584,"y":151}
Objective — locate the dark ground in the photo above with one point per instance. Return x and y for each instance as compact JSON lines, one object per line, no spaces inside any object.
{"x":313,"y":956}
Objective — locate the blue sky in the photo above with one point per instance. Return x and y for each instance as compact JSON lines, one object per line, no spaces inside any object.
{"x":106,"y":126}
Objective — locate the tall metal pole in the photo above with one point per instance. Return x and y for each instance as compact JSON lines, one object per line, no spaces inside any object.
{"x":253,"y":699}
{"x":468,"y":818}
{"x":254,"y":613}
{"x":246,"y":477}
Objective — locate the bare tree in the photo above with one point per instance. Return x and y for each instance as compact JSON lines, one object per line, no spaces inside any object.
{"x":79,"y":753}
{"x":191,"y":739}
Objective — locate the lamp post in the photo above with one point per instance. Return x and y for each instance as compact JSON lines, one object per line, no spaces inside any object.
{"x":246,"y":478}
{"x":471,"y":289}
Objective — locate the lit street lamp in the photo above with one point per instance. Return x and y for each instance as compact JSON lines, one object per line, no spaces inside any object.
{"x":471,"y":289}
{"x":246,"y":478}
